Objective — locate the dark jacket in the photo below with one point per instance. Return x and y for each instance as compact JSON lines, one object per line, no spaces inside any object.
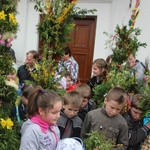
{"x":90,"y":106}
{"x":136,"y":131}
{"x":24,"y":74}
{"x":75,"y":125}
{"x":21,"y":112}
{"x":93,"y":82}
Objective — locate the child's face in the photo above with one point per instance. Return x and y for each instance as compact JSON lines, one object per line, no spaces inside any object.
{"x":96,"y":71}
{"x":85,"y":102}
{"x":70,"y":110}
{"x":112,"y":107}
{"x":52,"y":115}
{"x":132,"y":60}
{"x":136,"y":114}
{"x":68,"y":81}
{"x":12,"y":76}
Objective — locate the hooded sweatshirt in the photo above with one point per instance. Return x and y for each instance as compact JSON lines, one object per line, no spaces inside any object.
{"x":33,"y":137}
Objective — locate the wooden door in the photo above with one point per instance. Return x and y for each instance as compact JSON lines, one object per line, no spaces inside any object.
{"x":82,"y":46}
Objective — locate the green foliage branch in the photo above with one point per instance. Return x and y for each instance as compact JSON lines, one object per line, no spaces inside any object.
{"x":123,"y":43}
{"x":145,"y":102}
{"x":97,"y":141}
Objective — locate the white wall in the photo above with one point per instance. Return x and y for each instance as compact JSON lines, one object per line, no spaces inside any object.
{"x":109,"y":14}
{"x":27,"y":37}
{"x":121,"y":14}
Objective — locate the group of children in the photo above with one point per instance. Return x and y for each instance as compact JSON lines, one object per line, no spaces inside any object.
{"x":50,"y":117}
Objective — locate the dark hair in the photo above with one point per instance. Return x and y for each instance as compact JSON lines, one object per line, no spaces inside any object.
{"x":35,"y":54}
{"x":68,"y":74}
{"x":108,"y":58}
{"x":136,"y":101}
{"x":74,"y":98}
{"x":67,"y":51}
{"x":40,"y":98}
{"x":12,"y":52}
{"x":27,"y":89}
{"x":117,"y":94}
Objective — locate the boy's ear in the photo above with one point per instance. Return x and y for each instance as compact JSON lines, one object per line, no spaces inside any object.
{"x":105,"y":100}
{"x":63,"y":106}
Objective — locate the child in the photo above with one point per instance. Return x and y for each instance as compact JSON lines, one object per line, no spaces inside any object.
{"x":136,"y":130}
{"x":69,"y":82}
{"x":87,"y":104}
{"x":99,"y":69}
{"x":12,"y":79}
{"x":69,"y":123}
{"x":62,"y":83}
{"x":40,"y":130}
{"x":137,"y":66}
{"x":108,"y":120}
{"x":19,"y":111}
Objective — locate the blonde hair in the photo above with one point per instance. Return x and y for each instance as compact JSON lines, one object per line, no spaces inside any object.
{"x":84,"y":90}
{"x":136,"y":101}
{"x":73,"y":98}
{"x":117,"y":94}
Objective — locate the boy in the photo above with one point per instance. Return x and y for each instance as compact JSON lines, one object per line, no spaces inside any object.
{"x":69,"y":123}
{"x":87,"y":104}
{"x":108,"y":120}
{"x":136,"y":130}
{"x":138,"y":66}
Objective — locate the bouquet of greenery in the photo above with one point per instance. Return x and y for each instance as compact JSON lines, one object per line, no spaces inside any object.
{"x":145,"y":102}
{"x":116,"y":77}
{"x":97,"y":141}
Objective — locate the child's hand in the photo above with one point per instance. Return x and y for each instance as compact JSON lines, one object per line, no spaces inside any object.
{"x":148,"y":125}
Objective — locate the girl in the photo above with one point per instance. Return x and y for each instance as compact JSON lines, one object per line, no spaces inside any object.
{"x":70,"y":86}
{"x":40,"y":132}
{"x":18,"y":112}
{"x":99,"y":69}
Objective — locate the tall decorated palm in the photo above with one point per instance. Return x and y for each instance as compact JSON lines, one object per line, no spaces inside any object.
{"x":123,"y":42}
{"x":8,"y":94}
{"x":57,"y":23}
